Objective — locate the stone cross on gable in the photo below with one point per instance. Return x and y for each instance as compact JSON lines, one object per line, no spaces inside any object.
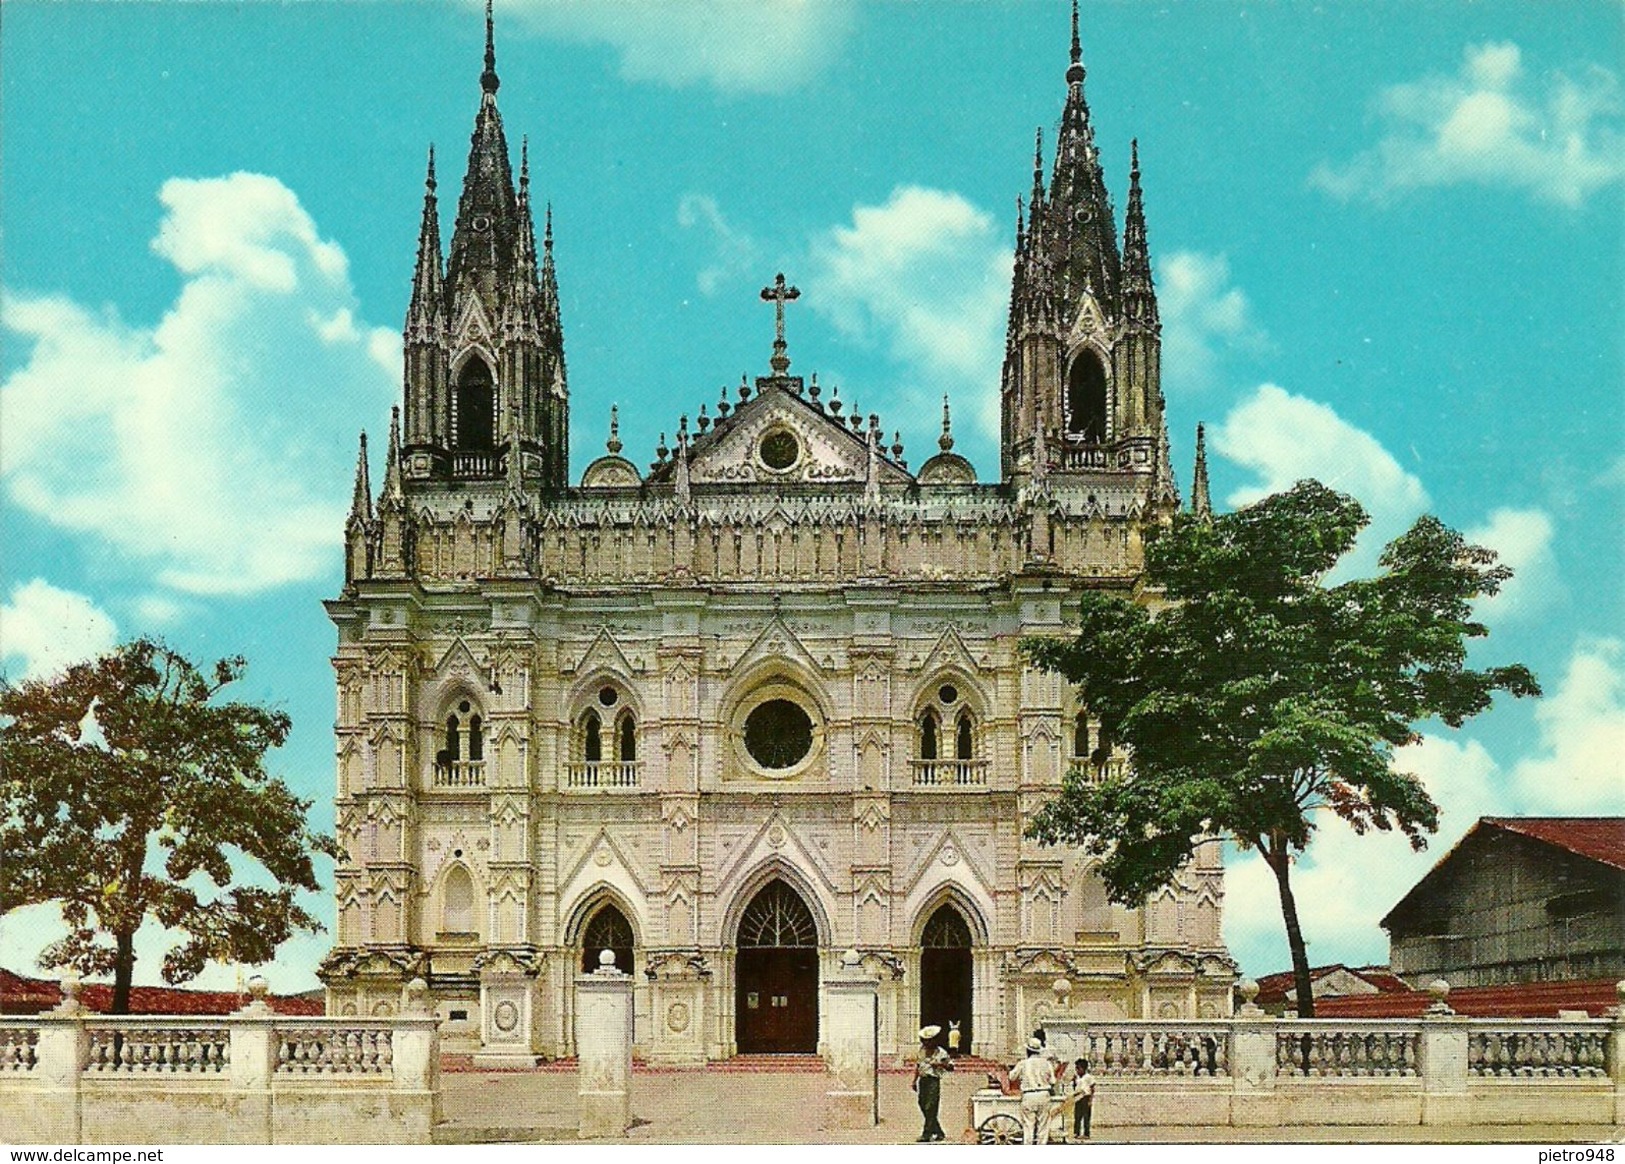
{"x":779,"y":294}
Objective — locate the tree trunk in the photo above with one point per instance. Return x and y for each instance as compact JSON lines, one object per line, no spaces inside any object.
{"x":123,"y":973}
{"x":1280,"y":862}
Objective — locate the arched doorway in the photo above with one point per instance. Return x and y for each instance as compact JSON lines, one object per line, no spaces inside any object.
{"x":607,"y":929}
{"x":776,"y":975}
{"x":946,"y":974}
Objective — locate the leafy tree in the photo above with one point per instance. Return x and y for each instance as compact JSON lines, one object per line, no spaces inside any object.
{"x":1259,"y":695}
{"x":131,"y":791}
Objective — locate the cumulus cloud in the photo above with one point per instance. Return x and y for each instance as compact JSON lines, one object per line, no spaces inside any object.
{"x":926,"y":277}
{"x":1345,"y":883}
{"x":1559,"y":140}
{"x":44,"y":630}
{"x":1523,"y":539}
{"x":735,"y":45}
{"x":1284,"y":438}
{"x":207,"y":449}
{"x":1204,"y":318}
{"x":734,"y":252}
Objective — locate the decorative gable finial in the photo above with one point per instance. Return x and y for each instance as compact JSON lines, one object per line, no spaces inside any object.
{"x":945,"y":442}
{"x":488,"y":79}
{"x":778,"y":294}
{"x":1074,"y":72}
{"x":613,"y":444}
{"x":1201,"y":503}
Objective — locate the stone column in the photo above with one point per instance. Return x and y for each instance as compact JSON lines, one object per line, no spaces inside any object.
{"x":1616,"y":1052}
{"x":1442,"y":1059}
{"x":1252,"y":1063}
{"x":852,"y":1011}
{"x":604,"y":1050}
{"x":253,"y":1062}
{"x":63,"y":1053}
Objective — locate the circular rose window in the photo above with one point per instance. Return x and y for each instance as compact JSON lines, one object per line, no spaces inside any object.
{"x":778,"y":734}
{"x":780,"y":449}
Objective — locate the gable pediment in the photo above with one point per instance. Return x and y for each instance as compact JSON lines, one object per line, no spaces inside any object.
{"x":815,"y":447}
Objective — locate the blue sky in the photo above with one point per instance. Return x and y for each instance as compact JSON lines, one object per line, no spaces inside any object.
{"x":1388,"y":243}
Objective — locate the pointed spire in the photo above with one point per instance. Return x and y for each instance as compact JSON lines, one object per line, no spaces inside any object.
{"x":552,"y":324}
{"x":1201,"y":503}
{"x":1079,"y":208}
{"x":361,"y":502}
{"x":427,"y":280}
{"x":1037,"y":200}
{"x":613,"y":444}
{"x":945,"y":442}
{"x":488,"y":79}
{"x":681,"y":485}
{"x":393,"y":494}
{"x":1139,"y":293}
{"x":1167,"y":489}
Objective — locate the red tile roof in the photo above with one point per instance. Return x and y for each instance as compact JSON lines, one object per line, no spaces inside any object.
{"x":1523,"y":1000}
{"x":1600,"y":838}
{"x":21,"y":995}
{"x":1273,"y":988}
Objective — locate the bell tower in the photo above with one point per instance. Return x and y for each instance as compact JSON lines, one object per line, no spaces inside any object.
{"x":1081,"y":387}
{"x":484,"y":369}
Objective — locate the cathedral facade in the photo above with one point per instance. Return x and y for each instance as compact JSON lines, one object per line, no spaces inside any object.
{"x":760,"y":701}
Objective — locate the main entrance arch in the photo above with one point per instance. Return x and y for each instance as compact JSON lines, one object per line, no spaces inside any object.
{"x":946,"y":974}
{"x":776,"y":974}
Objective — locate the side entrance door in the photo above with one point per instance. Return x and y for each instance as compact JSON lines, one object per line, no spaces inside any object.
{"x":776,"y":975}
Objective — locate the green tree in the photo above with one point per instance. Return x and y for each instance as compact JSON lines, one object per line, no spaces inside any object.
{"x":1258,"y":695}
{"x":131,"y":790}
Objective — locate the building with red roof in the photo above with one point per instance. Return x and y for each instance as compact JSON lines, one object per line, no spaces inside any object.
{"x":1518,"y":901}
{"x":23,"y":995}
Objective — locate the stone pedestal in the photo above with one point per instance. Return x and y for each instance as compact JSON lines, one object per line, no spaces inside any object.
{"x":853,"y":1015}
{"x":604,"y":1049}
{"x":1441,"y":1055}
{"x":509,"y":1027}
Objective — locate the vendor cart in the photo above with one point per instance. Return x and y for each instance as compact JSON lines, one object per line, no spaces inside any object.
{"x":995,"y":1116}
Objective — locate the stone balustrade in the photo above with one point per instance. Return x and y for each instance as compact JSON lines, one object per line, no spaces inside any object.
{"x":1259,"y":1070}
{"x":603,"y":774}
{"x":254,"y":1077}
{"x":949,"y":773}
{"x":460,"y":774}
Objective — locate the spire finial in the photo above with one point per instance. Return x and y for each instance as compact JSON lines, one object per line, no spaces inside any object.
{"x":361,"y":502}
{"x":613,"y":444}
{"x":1074,"y":72}
{"x":1201,"y":502}
{"x":1038,"y":158}
{"x":1134,"y":158}
{"x":488,"y":79}
{"x":524,"y":161}
{"x":945,"y":442}
{"x":547,"y":231}
{"x":778,"y":294}
{"x":429,"y":181}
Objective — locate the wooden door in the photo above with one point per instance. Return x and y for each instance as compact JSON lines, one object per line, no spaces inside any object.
{"x":776,"y":1000}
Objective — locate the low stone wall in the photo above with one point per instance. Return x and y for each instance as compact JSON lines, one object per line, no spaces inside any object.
{"x":1255,"y":1070}
{"x":254,"y":1077}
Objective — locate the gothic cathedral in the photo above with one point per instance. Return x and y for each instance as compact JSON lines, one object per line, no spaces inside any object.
{"x":761,"y":702}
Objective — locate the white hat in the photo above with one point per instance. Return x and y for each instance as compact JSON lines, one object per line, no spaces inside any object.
{"x":1034,"y":1045}
{"x":929,"y":1033}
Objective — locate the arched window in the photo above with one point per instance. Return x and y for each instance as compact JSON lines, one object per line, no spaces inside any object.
{"x":592,"y":737}
{"x":476,"y":738}
{"x":607,"y":929}
{"x":626,"y":738}
{"x":777,"y":916}
{"x":928,"y":736}
{"x":1080,"y":736}
{"x":1086,"y":397}
{"x":946,"y":930}
{"x":962,"y":737}
{"x":475,"y":407}
{"x":454,"y":740}
{"x":457,"y":902}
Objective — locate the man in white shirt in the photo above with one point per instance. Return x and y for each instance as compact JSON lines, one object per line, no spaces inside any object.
{"x":1083,"y":1098}
{"x":1035,"y":1075}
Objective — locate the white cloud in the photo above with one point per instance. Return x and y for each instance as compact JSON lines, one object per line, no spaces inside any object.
{"x":735,"y":45}
{"x":1345,"y":883}
{"x":46,"y":629}
{"x":1284,"y":438}
{"x":735,"y":252}
{"x":1203,"y":318}
{"x":210,"y":448}
{"x":926,"y":276}
{"x":1523,"y":539}
{"x":1493,"y":126}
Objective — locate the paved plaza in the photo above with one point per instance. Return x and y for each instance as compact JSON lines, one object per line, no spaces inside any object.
{"x":700,"y":1107}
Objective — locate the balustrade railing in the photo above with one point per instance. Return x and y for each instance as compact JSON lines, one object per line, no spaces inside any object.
{"x":949,"y":773}
{"x":346,"y":1050}
{"x":1149,"y":1048}
{"x":603,"y":774}
{"x":465,"y":463}
{"x":1083,"y":458}
{"x":1523,"y":1050}
{"x":460,"y":774}
{"x":1363,"y":1051}
{"x":140,"y":1048}
{"x":19,"y":1048}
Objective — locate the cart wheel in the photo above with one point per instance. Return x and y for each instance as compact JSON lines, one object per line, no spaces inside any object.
{"x":999,"y":1129}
